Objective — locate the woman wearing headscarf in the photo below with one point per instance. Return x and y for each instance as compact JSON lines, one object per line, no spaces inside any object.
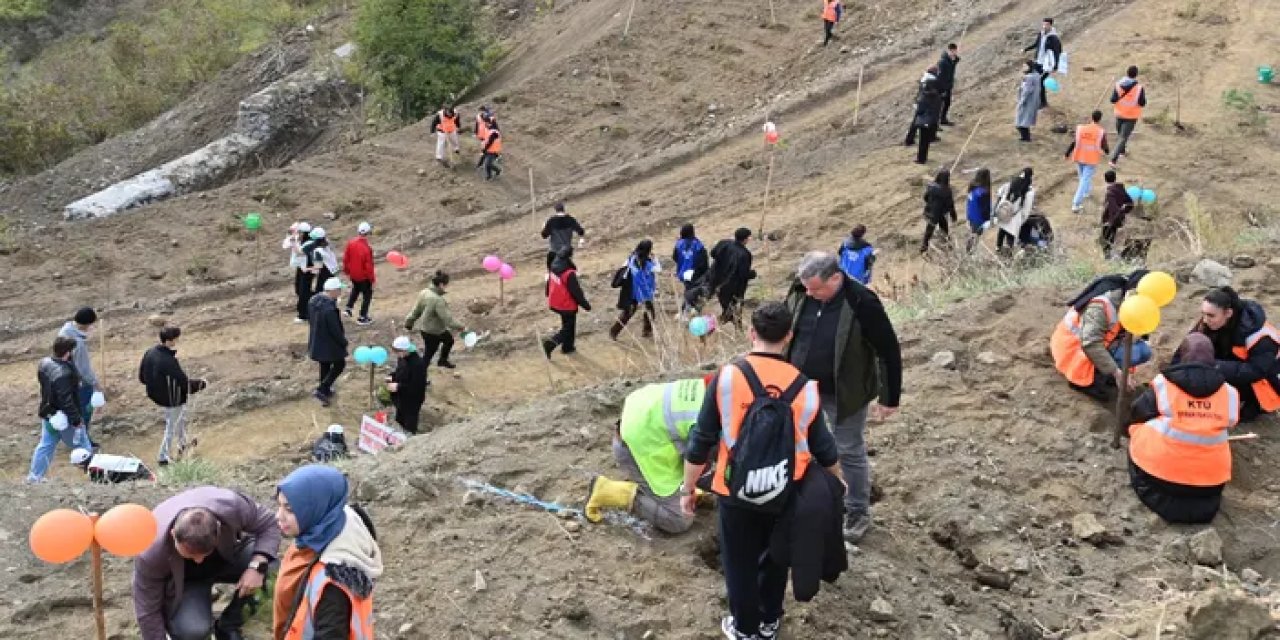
{"x":1246,"y":349}
{"x":1014,"y":203}
{"x":939,"y":204}
{"x":324,"y":590}
{"x":408,"y":383}
{"x":1028,"y":100}
{"x":1179,"y":453}
{"x":641,"y":285}
{"x":1086,"y":343}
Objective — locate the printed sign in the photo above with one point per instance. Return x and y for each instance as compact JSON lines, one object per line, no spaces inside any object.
{"x":375,"y":435}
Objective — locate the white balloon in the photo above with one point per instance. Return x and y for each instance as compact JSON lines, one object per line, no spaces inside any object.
{"x":97,"y":400}
{"x":58,"y":421}
{"x":470,"y":339}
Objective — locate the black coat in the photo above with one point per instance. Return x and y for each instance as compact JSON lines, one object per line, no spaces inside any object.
{"x":1053,"y":43}
{"x":939,"y":203}
{"x":59,"y":390}
{"x":947,"y":72}
{"x":928,"y":103}
{"x":808,"y":537}
{"x":410,"y":377}
{"x":327,"y":341}
{"x":167,"y":384}
{"x":1262,"y":361}
{"x":731,"y":270}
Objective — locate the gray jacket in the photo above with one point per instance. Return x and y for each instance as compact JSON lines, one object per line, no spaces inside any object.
{"x":1028,"y":100}
{"x":80,"y":357}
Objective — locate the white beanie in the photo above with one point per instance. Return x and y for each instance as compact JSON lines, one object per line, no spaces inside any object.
{"x":304,"y":227}
{"x":317,"y":233}
{"x":80,"y":456}
{"x":403,"y":343}
{"x":364,"y":228}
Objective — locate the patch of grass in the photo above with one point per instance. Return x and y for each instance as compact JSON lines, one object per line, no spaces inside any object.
{"x":20,"y":10}
{"x":192,"y":471}
{"x":1245,"y":106}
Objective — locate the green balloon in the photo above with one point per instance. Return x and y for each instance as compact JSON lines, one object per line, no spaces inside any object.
{"x":253,"y":222}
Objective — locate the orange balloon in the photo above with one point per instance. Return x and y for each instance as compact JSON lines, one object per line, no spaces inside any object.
{"x":61,"y":535}
{"x":126,"y":529}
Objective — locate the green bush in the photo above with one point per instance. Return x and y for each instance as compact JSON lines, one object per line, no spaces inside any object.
{"x":418,"y":54}
{"x":23,"y":9}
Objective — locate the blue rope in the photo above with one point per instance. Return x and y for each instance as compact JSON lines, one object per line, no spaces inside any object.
{"x":522,"y":498}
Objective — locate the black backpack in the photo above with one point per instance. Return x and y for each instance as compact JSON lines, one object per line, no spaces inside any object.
{"x":762,"y":461}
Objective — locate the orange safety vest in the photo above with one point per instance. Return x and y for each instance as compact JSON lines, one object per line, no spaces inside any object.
{"x":1088,"y":144}
{"x":1264,"y":389}
{"x":829,"y":10}
{"x":361,"y":609}
{"x":733,"y":397}
{"x":1068,"y":349}
{"x":1187,"y":443}
{"x":496,"y":147}
{"x":448,"y":124}
{"x":482,"y":128}
{"x":1127,"y":106}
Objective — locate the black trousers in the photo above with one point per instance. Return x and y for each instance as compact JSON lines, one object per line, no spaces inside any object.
{"x":1108,"y":239}
{"x":730,"y":305}
{"x":321,"y":278}
{"x":946,"y":107}
{"x":1024,"y":134}
{"x":1044,"y":93}
{"x":913,"y":128}
{"x":827,"y":30}
{"x":193,"y":619}
{"x":927,"y":134}
{"x":756,"y":584}
{"x":431,"y":342}
{"x":1004,"y":236}
{"x":407,"y":412}
{"x":568,"y":331}
{"x":358,"y":289}
{"x":302,"y":288}
{"x":942,"y":224}
{"x":630,"y":312}
{"x":329,"y":372}
{"x":1176,"y":504}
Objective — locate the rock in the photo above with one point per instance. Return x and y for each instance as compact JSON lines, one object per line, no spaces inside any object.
{"x":1021,"y":565}
{"x":1223,"y":616}
{"x":422,"y":172}
{"x":988,"y":357}
{"x":1243,"y":262}
{"x":992,"y":577}
{"x":157,"y":320}
{"x":406,"y":628}
{"x":1249,"y":576}
{"x":944,"y":360}
{"x":1211,"y":274}
{"x":881,"y":611}
{"x":471,"y":498}
{"x":1206,"y":548}
{"x":1085,"y":526}
{"x":844,"y":49}
{"x":480,"y":584}
{"x":572,"y":526}
{"x":711,"y":108}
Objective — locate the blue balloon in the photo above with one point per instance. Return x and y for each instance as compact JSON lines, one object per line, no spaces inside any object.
{"x":1051,"y":84}
{"x":363,"y":355}
{"x":699,"y":327}
{"x":1148,"y":196}
{"x":378,"y":356}
{"x":1135,"y":193}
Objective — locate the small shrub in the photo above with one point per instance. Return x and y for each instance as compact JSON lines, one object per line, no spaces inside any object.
{"x":21,"y":10}
{"x":188,"y":472}
{"x":1245,"y":106}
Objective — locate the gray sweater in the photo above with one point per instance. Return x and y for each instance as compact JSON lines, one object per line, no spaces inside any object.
{"x":80,"y":357}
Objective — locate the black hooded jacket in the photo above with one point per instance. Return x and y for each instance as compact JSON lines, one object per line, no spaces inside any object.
{"x":939,"y":203}
{"x":558,"y":267}
{"x":731,"y":270}
{"x":410,"y":377}
{"x":167,"y":384}
{"x":1261,"y":362}
{"x":59,"y":386}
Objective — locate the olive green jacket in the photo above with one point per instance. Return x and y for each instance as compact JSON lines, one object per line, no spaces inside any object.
{"x":431,"y":314}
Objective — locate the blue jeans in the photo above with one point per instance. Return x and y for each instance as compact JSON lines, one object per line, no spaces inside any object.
{"x":1139,"y":354}
{"x":1085,"y":171}
{"x":72,"y":437}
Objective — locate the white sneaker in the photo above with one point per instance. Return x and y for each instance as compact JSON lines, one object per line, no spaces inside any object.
{"x":730,"y":630}
{"x":1077,"y":208}
{"x":299,"y":320}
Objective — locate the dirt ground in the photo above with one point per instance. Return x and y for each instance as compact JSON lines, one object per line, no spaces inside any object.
{"x":639,"y":135}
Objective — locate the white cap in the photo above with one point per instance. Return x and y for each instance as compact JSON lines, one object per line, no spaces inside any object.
{"x":80,"y":456}
{"x":403,"y":343}
{"x":334,"y":428}
{"x":317,"y":233}
{"x":333,"y":284}
{"x":364,"y":228}
{"x":304,"y":227}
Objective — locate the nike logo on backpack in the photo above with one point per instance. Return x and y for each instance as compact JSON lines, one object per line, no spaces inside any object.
{"x":769,"y":481}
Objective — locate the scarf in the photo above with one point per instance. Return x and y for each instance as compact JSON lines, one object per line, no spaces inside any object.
{"x":317,"y":494}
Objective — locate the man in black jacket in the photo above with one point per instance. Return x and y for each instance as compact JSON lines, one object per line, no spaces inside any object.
{"x":168,"y":386}
{"x":327,"y":341}
{"x":408,"y":384}
{"x":61,"y":418}
{"x":559,"y":230}
{"x":843,"y":339}
{"x":730,"y":273}
{"x":1048,"y":48}
{"x":947,"y":79}
{"x":928,"y":110}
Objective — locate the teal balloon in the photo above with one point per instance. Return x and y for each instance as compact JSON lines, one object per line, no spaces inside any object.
{"x":1148,"y":196}
{"x":377,"y":356}
{"x":363,"y":355}
{"x":699,"y":327}
{"x":253,"y":222}
{"x":1134,"y":193}
{"x":1052,"y":84}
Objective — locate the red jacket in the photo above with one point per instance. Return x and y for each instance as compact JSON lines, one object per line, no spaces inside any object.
{"x":357,"y":260}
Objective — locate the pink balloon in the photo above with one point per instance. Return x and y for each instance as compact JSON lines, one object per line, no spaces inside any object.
{"x":397,"y":259}
{"x":492,"y":263}
{"x":506,"y":271}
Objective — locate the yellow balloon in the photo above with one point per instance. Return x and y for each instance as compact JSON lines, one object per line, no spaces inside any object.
{"x":1159,"y":286}
{"x":1139,"y":315}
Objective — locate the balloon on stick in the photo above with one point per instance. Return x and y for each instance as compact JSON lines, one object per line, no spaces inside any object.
{"x":492,"y":263}
{"x":1159,"y":286}
{"x":506,"y":271}
{"x":1052,"y":85}
{"x":377,"y":356}
{"x":126,"y":530}
{"x":1139,"y":315}
{"x":61,"y":536}
{"x":397,"y":259}
{"x":363,"y":355}
{"x":698,"y":327}
{"x":1135,"y":192}
{"x":253,"y":222}
{"x":1148,"y":196}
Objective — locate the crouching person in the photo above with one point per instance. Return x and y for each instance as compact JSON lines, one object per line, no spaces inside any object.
{"x":1179,"y":454}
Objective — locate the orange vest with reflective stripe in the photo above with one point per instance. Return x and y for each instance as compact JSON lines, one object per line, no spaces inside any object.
{"x":1127,"y":106}
{"x":829,"y":10}
{"x":1068,"y":349}
{"x":733,"y":397}
{"x":496,"y":147}
{"x":482,"y":128}
{"x":1264,"y":389}
{"x":448,"y":124}
{"x":1187,"y":443}
{"x":1088,"y":143}
{"x":361,"y":609}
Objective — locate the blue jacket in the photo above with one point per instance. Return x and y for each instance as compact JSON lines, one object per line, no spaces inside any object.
{"x":643,"y":280}
{"x":978,"y":207}
{"x":690,"y":255}
{"x":856,"y":259}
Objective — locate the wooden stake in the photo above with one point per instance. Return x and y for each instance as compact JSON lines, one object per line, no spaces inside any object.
{"x":966,"y":143}
{"x":1246,"y":436}
{"x":533,"y":203}
{"x":857,"y":98}
{"x":963,"y":32}
{"x":627,"y":28}
{"x":768,"y":182}
{"x":99,"y":612}
{"x":1177,"y":112}
{"x":373,"y":399}
{"x":1122,"y":407}
{"x":773,"y":17}
{"x":613,"y":90}
{"x":501,"y":292}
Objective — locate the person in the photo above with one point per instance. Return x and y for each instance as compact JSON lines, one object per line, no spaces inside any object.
{"x":558,"y":231}
{"x":1245,"y":347}
{"x":321,"y":260}
{"x":108,"y":469}
{"x":327,"y":341}
{"x":1129,"y":98}
{"x":939,"y":204}
{"x":445,"y":125}
{"x":408,"y":383}
{"x":492,"y":151}
{"x":730,"y":273}
{"x":293,"y":243}
{"x":1048,"y":48}
{"x":1179,"y":455}
{"x":205,"y":536}
{"x":843,"y":340}
{"x":431,"y":317}
{"x":641,"y":283}
{"x":1085,"y":344}
{"x":324,"y":589}
{"x":79,"y":329}
{"x":947,"y":80}
{"x":832,"y":11}
{"x":483,"y":116}
{"x":1087,"y":150}
{"x":1036,"y":233}
{"x":756,"y":581}
{"x":331,"y":445}
{"x":564,"y":297}
{"x":60,"y":410}
{"x":357,"y":261}
{"x":977,"y":208}
{"x":857,"y":256}
{"x":1028,"y":101}
{"x":692,"y":263}
{"x":928,"y":110}
{"x":1115,"y":208}
{"x":647,"y":445}
{"x":1016,"y":200}
{"x":168,"y":386}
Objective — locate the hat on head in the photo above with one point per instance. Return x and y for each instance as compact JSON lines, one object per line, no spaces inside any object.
{"x":317,"y":233}
{"x":364,"y":228}
{"x":80,"y":456}
{"x":333,"y":284}
{"x":304,"y":227}
{"x":334,"y":428}
{"x":85,"y":315}
{"x":403,"y":343}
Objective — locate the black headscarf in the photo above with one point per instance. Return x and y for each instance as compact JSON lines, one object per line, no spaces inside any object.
{"x":1105,"y":285}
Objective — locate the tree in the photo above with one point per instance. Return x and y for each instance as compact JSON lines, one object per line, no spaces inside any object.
{"x":419,"y":53}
